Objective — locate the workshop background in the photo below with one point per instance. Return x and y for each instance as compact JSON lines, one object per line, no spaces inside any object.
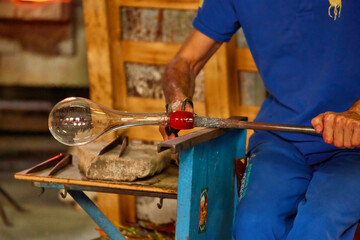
{"x":115,"y":53}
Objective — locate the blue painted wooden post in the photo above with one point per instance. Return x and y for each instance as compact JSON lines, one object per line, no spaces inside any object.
{"x":207,"y":169}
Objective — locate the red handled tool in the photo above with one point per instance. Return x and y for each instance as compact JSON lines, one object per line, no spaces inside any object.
{"x":56,"y":163}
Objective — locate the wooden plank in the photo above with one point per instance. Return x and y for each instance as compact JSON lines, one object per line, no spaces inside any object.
{"x":244,"y":60}
{"x":248,"y":111}
{"x":125,"y":204}
{"x":117,"y":57}
{"x":122,"y":210}
{"x":127,"y":209}
{"x":165,"y":182}
{"x":100,"y":61}
{"x":149,"y":52}
{"x":162,"y":4}
{"x":233,"y":79}
{"x":107,"y":199}
{"x":217,"y":85}
{"x":98,"y":52}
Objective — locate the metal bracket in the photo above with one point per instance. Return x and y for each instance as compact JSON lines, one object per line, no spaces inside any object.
{"x":160,"y":204}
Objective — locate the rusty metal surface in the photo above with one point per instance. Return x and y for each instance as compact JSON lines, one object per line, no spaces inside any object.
{"x":56,"y":164}
{"x":235,"y":123}
{"x":120,"y":140}
{"x":186,"y":141}
{"x":189,"y":140}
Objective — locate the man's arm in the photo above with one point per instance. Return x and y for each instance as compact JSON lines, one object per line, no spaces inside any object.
{"x":179,"y":76}
{"x":340,"y":129}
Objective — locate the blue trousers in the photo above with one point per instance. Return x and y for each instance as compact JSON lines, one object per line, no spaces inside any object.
{"x":284,"y":197}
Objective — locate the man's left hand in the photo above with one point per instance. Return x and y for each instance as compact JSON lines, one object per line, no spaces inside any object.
{"x":339,"y":129}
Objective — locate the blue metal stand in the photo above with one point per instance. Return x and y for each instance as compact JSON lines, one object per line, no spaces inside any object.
{"x":207,"y":171}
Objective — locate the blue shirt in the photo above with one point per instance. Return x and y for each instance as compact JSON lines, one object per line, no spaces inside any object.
{"x":309,"y":61}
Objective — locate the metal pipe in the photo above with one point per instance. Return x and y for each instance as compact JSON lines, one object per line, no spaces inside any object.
{"x":233,"y":123}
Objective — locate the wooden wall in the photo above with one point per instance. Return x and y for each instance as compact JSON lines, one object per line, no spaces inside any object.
{"x":108,"y":54}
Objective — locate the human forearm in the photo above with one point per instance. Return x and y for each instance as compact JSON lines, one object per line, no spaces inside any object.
{"x":178,"y":80}
{"x":180,"y":74}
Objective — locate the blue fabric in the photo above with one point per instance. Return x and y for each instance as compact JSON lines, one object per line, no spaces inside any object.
{"x":283,"y":197}
{"x":217,"y":21}
{"x":309,"y":62}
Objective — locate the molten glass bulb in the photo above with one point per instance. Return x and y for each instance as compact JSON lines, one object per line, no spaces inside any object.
{"x":77,"y":121}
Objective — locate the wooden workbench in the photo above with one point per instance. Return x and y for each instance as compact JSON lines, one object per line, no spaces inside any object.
{"x":204,"y":185}
{"x":162,"y":185}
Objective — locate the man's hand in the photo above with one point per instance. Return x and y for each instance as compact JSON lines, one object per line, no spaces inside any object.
{"x":339,"y":129}
{"x":179,"y":77}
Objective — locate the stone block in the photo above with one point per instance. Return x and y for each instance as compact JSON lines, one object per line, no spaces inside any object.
{"x":156,"y":25}
{"x":140,"y":24}
{"x":177,"y":25}
{"x":138,"y":161}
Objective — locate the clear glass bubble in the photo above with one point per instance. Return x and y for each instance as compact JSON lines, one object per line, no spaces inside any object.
{"x":77,"y":121}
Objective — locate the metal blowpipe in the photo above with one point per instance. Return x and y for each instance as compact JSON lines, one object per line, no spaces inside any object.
{"x":233,"y":123}
{"x":77,"y":121}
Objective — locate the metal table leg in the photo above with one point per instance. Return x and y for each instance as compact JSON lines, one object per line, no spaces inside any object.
{"x":12,"y":202}
{"x":4,"y":217}
{"x":94,"y":212}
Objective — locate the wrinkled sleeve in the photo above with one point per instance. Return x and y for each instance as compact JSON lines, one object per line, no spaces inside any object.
{"x":217,"y":19}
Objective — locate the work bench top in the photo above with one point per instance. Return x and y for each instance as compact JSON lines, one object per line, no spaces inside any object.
{"x":164,"y":184}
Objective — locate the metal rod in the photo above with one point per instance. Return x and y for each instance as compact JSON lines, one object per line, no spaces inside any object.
{"x":96,"y":215}
{"x":11,"y":200}
{"x":3,"y":216}
{"x":232,"y":123}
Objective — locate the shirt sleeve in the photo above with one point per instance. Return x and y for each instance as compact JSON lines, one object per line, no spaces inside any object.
{"x":217,"y":19}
